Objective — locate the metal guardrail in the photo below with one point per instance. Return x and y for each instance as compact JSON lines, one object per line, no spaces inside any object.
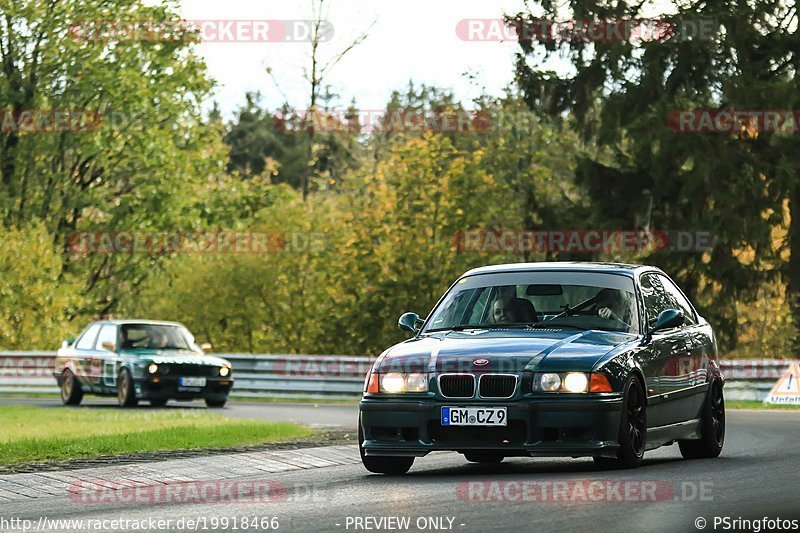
{"x":332,"y":376}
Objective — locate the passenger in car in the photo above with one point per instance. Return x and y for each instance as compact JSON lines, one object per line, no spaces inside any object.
{"x":510,"y":310}
{"x":503,"y":311}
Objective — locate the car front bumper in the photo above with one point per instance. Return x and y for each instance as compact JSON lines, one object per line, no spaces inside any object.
{"x":572,"y":427}
{"x":167,"y":388}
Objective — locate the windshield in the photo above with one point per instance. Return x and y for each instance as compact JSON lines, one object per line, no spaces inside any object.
{"x":574,"y":300}
{"x":156,"y":337}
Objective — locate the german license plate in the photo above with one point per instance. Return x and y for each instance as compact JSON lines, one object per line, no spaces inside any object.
{"x":192,"y":382}
{"x":474,"y":416}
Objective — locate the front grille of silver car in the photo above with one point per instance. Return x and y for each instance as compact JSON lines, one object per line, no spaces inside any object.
{"x":457,"y":385}
{"x":497,"y":385}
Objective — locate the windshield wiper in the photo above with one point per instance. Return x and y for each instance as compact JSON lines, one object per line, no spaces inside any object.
{"x":548,"y":325}
{"x":462,"y":327}
{"x":459,"y":327}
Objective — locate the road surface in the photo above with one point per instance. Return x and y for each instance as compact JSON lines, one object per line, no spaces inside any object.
{"x":757,"y":476}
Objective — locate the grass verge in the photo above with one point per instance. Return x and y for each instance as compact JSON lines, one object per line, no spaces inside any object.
{"x":755,"y":404}
{"x":46,"y":434}
{"x":231,"y":399}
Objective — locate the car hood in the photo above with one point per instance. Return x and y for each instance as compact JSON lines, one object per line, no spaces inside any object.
{"x":509,"y":350}
{"x":175,"y":357}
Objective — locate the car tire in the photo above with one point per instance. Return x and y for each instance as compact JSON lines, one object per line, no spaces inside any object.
{"x":71,"y":391}
{"x":632,"y":429}
{"x":158,"y":403}
{"x":126,"y":393}
{"x":712,"y":427}
{"x":391,"y":466}
{"x":484,"y":457}
{"x":216,"y":404}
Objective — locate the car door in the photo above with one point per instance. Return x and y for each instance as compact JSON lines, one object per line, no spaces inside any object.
{"x":84,"y":349}
{"x":687,"y":372}
{"x":104,"y":357}
{"x":664,"y":350}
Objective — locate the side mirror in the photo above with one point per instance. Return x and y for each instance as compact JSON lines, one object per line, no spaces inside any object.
{"x":66,"y":343}
{"x":109,"y":346}
{"x":410,"y":322}
{"x":206,"y":347}
{"x":667,"y":319}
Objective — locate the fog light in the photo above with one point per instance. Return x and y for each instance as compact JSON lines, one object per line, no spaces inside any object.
{"x":152,"y":368}
{"x":576,"y":382}
{"x":550,"y":382}
{"x":393,"y":383}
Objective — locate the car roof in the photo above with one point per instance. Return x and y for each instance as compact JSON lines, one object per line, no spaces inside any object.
{"x":563,"y":266}
{"x":121,"y":322}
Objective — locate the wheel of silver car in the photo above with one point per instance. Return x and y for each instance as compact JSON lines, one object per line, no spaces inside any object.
{"x":71,"y":391}
{"x":712,"y":427}
{"x":392,"y":466}
{"x":632,"y":431}
{"x":126,"y":394}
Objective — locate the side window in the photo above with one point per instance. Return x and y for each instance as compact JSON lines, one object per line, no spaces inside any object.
{"x":107,"y":334}
{"x":655,"y":297}
{"x":679,"y":300}
{"x":87,"y":339}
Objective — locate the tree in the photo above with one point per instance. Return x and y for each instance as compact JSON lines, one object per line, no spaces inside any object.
{"x":315,"y":76}
{"x":259,"y":136}
{"x":130,"y":163}
{"x":737,"y":185}
{"x":37,"y":301}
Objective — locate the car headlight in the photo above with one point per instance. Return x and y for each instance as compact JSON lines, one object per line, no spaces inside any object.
{"x":417,"y":383}
{"x":224,"y":371}
{"x":550,"y":382}
{"x":575,"y":382}
{"x":400,"y":382}
{"x":152,"y":368}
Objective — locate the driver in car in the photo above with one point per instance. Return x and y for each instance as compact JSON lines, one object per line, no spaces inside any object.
{"x":158,"y":340}
{"x":612,"y":304}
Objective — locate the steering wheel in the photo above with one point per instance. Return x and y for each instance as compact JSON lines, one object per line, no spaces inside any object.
{"x":569,"y":311}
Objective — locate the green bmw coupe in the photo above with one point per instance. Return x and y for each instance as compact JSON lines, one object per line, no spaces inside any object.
{"x":594,"y":360}
{"x":140,"y":360}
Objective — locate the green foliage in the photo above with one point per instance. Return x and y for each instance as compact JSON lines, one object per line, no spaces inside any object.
{"x":383,"y":243}
{"x":368,"y":220}
{"x":286,"y":144}
{"x":135,"y":166}
{"x":618,"y":95}
{"x":37,"y":299}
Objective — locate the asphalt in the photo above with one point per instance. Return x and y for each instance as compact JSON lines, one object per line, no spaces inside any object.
{"x":756,"y":477}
